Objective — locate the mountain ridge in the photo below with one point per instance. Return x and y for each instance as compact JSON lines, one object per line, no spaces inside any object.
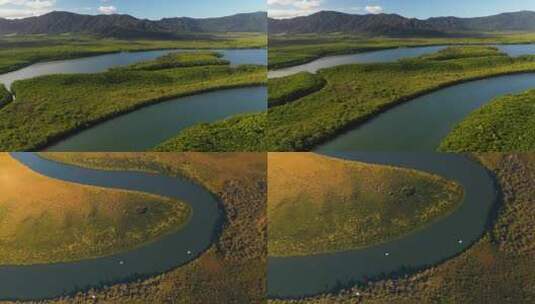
{"x":127,"y":26}
{"x":397,"y":25}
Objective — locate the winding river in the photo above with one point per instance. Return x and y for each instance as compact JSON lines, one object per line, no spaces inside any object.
{"x":388,"y":55}
{"x":170,"y":251}
{"x":149,"y":126}
{"x":294,"y":277}
{"x":422,"y":123}
{"x":101,"y":63}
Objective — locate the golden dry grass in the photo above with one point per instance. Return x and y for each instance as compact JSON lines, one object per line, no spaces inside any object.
{"x":44,"y":220}
{"x":321,"y":204}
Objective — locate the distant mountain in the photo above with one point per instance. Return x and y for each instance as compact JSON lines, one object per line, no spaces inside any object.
{"x":126,"y":26}
{"x":396,"y":25}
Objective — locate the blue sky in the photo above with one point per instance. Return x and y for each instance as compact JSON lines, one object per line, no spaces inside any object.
{"x":152,"y":9}
{"x":409,"y":8}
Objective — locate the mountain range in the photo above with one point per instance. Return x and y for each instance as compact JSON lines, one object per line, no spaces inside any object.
{"x":396,"y":25}
{"x":126,"y":26}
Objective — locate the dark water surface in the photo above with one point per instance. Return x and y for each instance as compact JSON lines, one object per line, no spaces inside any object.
{"x":167,"y":252}
{"x":147,"y":127}
{"x":101,"y":63}
{"x":292,"y":277}
{"x":422,"y":123}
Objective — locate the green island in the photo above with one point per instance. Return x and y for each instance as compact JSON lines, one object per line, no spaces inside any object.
{"x":502,"y":260}
{"x":295,"y":49}
{"x":245,"y":133}
{"x":61,"y":222}
{"x":22,"y":50}
{"x":355,"y":93}
{"x":51,"y":107}
{"x":505,"y":124}
{"x":286,"y":89}
{"x":330,"y":207}
{"x":5,"y":96}
{"x":180,"y":60}
{"x":239,"y":182}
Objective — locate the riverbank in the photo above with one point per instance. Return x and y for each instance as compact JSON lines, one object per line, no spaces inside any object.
{"x":507,"y":124}
{"x":238,"y":180}
{"x":356,"y":93}
{"x":287,"y":89}
{"x":65,"y":104}
{"x":244,"y":133}
{"x":501,"y":260}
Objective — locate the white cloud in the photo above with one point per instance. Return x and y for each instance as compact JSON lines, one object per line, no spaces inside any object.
{"x":107,"y":10}
{"x":374,"y":9}
{"x":289,"y":13}
{"x":13,"y":9}
{"x":292,"y":8}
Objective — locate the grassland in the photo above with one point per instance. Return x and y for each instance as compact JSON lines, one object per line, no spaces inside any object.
{"x":290,"y":50}
{"x":497,"y":269}
{"x":355,"y":93}
{"x":51,"y":107}
{"x":20,"y":51}
{"x":58,"y":221}
{"x":5,"y":96}
{"x":233,"y":270}
{"x":318,"y":204}
{"x":244,"y":133}
{"x":507,"y":124}
{"x":287,"y":89}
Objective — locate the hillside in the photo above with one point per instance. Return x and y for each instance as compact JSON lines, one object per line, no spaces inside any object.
{"x":396,"y":25}
{"x":126,"y":26}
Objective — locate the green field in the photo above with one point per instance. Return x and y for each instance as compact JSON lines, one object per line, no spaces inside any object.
{"x":244,"y":133}
{"x":497,"y":269}
{"x":318,"y":204}
{"x":287,"y":89}
{"x":507,"y":124}
{"x":355,"y":93}
{"x":51,"y":107}
{"x":238,"y":180}
{"x":59,"y":221}
{"x":290,"y":50}
{"x":20,"y":51}
{"x":5,"y":96}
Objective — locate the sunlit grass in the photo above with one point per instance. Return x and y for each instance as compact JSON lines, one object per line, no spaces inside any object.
{"x":43,"y":220}
{"x":318,"y":204}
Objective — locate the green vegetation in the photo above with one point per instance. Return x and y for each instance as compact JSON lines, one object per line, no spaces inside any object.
{"x":51,"y":107}
{"x":464,"y":52}
{"x":286,"y":89}
{"x":243,"y":133}
{"x":239,"y":181}
{"x":290,"y":50}
{"x":318,"y":204}
{"x":20,"y":51}
{"x":180,"y":60}
{"x":496,"y":270}
{"x":506,"y":124}
{"x":59,"y":221}
{"x":5,"y":96}
{"x":355,"y":93}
